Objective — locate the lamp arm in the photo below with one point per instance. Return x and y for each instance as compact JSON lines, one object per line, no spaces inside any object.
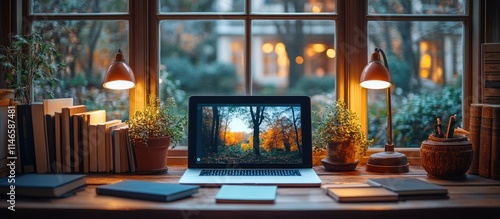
{"x":389,"y":146}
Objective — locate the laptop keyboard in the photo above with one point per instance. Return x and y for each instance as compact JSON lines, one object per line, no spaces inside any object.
{"x":250,"y":172}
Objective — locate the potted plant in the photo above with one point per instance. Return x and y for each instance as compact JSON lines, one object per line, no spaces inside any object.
{"x":152,"y":130}
{"x":338,"y":131}
{"x":30,"y":62}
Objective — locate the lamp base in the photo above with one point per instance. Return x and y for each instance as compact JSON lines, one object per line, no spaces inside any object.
{"x":388,"y":162}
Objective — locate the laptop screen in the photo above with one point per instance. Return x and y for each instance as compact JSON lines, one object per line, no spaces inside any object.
{"x":249,"y":131}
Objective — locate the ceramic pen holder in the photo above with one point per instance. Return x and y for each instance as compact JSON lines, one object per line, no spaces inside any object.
{"x":446,"y":157}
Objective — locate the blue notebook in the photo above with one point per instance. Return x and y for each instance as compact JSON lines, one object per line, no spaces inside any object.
{"x":145,"y":190}
{"x":43,"y":185}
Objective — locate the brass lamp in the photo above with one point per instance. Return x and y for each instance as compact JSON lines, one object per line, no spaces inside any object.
{"x":376,"y":76}
{"x":119,"y":75}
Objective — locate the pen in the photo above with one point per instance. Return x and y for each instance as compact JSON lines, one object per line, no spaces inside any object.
{"x":451,"y":126}
{"x":439,"y":130}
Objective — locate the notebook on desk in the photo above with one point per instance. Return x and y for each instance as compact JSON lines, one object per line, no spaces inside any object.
{"x":224,"y":149}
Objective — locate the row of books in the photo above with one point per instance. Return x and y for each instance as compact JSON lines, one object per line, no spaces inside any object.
{"x":55,"y":136}
{"x":485,"y":137}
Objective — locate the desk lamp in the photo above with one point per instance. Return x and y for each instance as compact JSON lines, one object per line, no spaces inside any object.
{"x":119,"y":75}
{"x":376,"y":76}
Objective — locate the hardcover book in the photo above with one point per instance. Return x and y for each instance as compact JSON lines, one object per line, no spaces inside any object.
{"x":67,"y":136}
{"x":43,"y":185}
{"x":475,"y":135}
{"x":39,"y":136}
{"x":411,"y":188}
{"x":362,"y":194}
{"x":495,"y":142}
{"x":246,"y":194}
{"x":485,"y":142}
{"x":26,"y":141}
{"x":153,"y":191}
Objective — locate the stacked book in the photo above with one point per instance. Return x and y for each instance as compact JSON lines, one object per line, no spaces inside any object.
{"x":485,"y":137}
{"x":55,"y":136}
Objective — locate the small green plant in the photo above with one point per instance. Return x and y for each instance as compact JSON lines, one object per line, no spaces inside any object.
{"x":336,"y":124}
{"x":29,"y":62}
{"x":157,"y":120}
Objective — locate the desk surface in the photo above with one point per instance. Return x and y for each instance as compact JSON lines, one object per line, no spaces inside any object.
{"x":474,"y":196}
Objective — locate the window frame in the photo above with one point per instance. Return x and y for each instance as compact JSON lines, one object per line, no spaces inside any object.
{"x":351,"y":56}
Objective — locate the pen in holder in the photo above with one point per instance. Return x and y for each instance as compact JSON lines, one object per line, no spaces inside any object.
{"x":451,"y":126}
{"x":438,"y":129}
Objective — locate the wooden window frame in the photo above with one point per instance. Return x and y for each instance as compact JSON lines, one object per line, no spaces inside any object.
{"x":351,"y":27}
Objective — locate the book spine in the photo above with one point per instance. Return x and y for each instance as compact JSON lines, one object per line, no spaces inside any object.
{"x":495,"y":143}
{"x":26,"y":144}
{"x":51,"y":144}
{"x":475,"y":135}
{"x":485,"y":142}
{"x":58,"y":140}
{"x":40,"y":142}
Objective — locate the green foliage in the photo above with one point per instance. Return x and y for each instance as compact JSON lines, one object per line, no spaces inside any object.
{"x":157,"y":120}
{"x":415,"y":119}
{"x":414,"y":116}
{"x":338,"y":123}
{"x":314,"y":85}
{"x":236,"y":155}
{"x":212,"y":78}
{"x":30,"y":61}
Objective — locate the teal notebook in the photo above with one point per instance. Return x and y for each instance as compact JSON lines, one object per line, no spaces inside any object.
{"x":43,"y":185}
{"x":246,"y":194}
{"x":153,"y":191}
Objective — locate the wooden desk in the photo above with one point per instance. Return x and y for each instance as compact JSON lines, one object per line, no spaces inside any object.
{"x":475,"y":197}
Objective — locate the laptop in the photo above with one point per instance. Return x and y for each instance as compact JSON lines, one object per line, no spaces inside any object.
{"x":250,"y":140}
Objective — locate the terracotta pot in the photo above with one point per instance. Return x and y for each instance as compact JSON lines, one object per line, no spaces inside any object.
{"x":152,"y":158}
{"x":341,"y":156}
{"x":446,"y":157}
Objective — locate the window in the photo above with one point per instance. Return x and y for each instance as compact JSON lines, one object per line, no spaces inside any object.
{"x":424,"y":42}
{"x":88,"y":34}
{"x":268,"y":47}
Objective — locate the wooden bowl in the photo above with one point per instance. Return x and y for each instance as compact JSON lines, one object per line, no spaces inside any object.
{"x":446,"y":157}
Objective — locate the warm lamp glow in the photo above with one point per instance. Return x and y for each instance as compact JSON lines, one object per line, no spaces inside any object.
{"x":119,"y":85}
{"x":119,"y":75}
{"x":375,"y":84}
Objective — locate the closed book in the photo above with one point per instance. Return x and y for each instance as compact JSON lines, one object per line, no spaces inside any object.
{"x":110,"y":147}
{"x":485,"y":141}
{"x":39,"y":135}
{"x":51,"y":141}
{"x":475,"y":135}
{"x":130,"y":152}
{"x":363,"y":194}
{"x":91,"y":118}
{"x":246,"y":194}
{"x":58,"y":142}
{"x":67,"y":136}
{"x":411,"y":188}
{"x":43,"y":185}
{"x":103,"y":145}
{"x":77,"y":144}
{"x":153,"y":191}
{"x":25,"y":135}
{"x":124,"y":159}
{"x":495,"y":142}
{"x":50,"y":107}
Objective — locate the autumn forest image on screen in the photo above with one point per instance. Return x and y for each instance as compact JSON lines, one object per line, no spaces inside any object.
{"x":260,"y":134}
